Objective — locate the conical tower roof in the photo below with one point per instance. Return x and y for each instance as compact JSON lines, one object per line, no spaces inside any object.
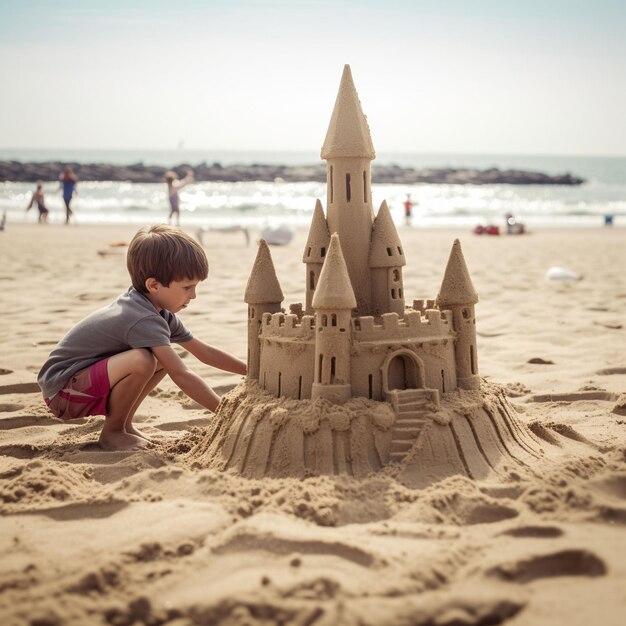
{"x":319,"y":237}
{"x":456,"y":286}
{"x":334,"y":290}
{"x":386,"y":248}
{"x":263,"y":286}
{"x":348,"y":134}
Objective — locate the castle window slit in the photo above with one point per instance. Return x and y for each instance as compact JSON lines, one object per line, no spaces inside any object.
{"x":264,"y":380}
{"x":331,"y":184}
{"x":364,"y":187}
{"x":279,"y":377}
{"x":333,"y":320}
{"x":320,"y":366}
{"x":389,"y":252}
{"x":443,"y":381}
{"x":370,"y":384}
{"x":299,"y":387}
{"x":472,"y":362}
{"x":311,"y":280}
{"x":332,"y":369}
{"x":348,"y":190}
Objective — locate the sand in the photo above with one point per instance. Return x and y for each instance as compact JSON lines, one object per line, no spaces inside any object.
{"x":158,"y":537}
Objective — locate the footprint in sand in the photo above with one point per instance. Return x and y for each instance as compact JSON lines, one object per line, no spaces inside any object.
{"x":606,"y":396}
{"x":610,"y":325}
{"x":534,"y":532}
{"x":539,"y":361}
{"x":94,"y":297}
{"x":614,"y":485}
{"x":19,"y":421}
{"x":4,"y":371}
{"x":19,"y":388}
{"x":610,"y":371}
{"x":9,"y":408}
{"x":19,"y":452}
{"x":563,"y":563}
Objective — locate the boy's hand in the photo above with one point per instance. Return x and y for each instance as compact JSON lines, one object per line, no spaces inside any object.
{"x":188,"y":381}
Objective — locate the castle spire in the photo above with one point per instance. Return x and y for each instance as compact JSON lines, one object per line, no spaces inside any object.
{"x":334,"y":290}
{"x":386,"y":248}
{"x":456,"y":286}
{"x":263,"y":286}
{"x":315,"y":253}
{"x":319,"y":237}
{"x":386,"y":259}
{"x":348,"y":133}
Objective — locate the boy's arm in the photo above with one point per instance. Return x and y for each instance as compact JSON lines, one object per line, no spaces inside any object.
{"x":32,"y":200}
{"x":188,"y":381}
{"x":212,"y":356}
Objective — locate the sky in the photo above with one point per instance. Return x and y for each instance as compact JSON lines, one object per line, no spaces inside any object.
{"x":463,"y":76}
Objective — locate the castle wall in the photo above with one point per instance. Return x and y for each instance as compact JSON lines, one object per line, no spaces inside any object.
{"x":288,"y":352}
{"x":430,"y":338}
{"x":287,"y":355}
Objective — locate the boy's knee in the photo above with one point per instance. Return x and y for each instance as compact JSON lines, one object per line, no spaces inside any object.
{"x":144,"y":360}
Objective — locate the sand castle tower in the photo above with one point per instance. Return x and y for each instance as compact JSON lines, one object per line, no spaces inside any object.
{"x":355,"y":379}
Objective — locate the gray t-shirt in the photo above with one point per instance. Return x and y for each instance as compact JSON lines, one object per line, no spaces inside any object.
{"x":129,"y":322}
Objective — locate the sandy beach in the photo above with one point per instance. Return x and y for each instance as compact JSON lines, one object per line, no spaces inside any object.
{"x":152,"y":537}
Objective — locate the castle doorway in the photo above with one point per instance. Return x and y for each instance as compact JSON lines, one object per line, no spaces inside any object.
{"x":403,"y":369}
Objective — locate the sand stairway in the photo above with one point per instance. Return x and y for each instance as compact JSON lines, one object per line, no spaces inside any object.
{"x":412,"y":407}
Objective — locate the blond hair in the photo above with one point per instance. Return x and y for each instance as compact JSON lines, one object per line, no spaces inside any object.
{"x":165,"y":253}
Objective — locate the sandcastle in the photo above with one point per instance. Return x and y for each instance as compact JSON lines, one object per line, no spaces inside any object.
{"x":355,"y":380}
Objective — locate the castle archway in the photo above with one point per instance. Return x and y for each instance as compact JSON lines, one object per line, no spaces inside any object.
{"x":402,"y":369}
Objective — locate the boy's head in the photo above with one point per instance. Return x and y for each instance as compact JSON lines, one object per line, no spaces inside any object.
{"x":170,"y":176}
{"x":166,"y":254}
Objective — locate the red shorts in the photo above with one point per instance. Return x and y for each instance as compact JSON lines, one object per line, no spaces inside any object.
{"x":85,"y":393}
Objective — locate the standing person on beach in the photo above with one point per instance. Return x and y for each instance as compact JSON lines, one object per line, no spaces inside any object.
{"x":173,"y":187}
{"x":110,"y":361}
{"x":408,"y":209}
{"x":68,"y":182}
{"x":37,"y":198}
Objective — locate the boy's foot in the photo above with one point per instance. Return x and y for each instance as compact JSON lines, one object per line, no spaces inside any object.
{"x":131,"y":430}
{"x":120,"y":441}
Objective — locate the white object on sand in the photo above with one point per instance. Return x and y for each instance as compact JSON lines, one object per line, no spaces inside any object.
{"x":562,"y":274}
{"x":277,"y":236}
{"x":223,"y":229}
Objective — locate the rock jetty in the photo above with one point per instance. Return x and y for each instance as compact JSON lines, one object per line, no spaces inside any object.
{"x":17,"y":171}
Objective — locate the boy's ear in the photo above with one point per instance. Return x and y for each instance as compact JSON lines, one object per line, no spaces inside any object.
{"x":152,"y":284}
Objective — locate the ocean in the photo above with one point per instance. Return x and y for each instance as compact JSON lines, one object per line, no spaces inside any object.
{"x":258,"y":204}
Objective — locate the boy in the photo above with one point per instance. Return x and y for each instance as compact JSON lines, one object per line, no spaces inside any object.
{"x":37,"y":198}
{"x":110,"y":361}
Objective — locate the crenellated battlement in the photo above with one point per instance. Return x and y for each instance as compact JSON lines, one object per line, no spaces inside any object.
{"x":287,"y":325}
{"x":433,"y":324}
{"x":423,"y":305}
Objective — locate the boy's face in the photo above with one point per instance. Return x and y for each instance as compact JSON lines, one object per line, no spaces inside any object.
{"x":176,"y":296}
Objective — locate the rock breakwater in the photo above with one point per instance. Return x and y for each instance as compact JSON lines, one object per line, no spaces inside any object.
{"x":18,"y":171}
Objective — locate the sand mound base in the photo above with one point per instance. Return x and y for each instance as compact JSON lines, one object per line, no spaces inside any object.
{"x":473,"y":433}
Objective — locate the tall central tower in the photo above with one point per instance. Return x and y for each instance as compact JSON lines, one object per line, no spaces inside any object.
{"x":348,"y":151}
